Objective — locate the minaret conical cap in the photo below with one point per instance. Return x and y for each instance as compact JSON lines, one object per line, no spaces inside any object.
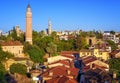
{"x":28,"y":8}
{"x":49,"y":21}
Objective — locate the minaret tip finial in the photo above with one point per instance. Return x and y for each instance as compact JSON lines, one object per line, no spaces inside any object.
{"x":28,"y":1}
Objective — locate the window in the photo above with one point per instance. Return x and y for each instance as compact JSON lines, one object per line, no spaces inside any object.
{"x":100,"y":53}
{"x":19,"y":51}
{"x":88,"y":53}
{"x":83,"y":53}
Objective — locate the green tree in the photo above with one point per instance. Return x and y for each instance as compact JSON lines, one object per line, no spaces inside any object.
{"x":91,"y":34}
{"x":65,"y":45}
{"x":83,"y":34}
{"x":112,"y":32}
{"x":36,"y":36}
{"x":114,"y":65}
{"x":51,"y":49}
{"x":43,"y":42}
{"x":2,"y":71}
{"x":42,"y":33}
{"x":34,"y":52}
{"x":18,"y":68}
{"x":99,"y":35}
{"x":3,"y":37}
{"x":80,"y":43}
{"x":112,"y":44}
{"x":14,"y":34}
{"x":21,"y":38}
{"x":54,"y":36}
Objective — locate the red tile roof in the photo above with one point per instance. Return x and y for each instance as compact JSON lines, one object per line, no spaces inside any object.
{"x":60,"y":71}
{"x":86,"y":68}
{"x":69,"y":52}
{"x":88,"y":59}
{"x":63,"y":79}
{"x":100,"y":67}
{"x":57,"y":71}
{"x":74,"y":71}
{"x":113,"y":53}
{"x":71,"y":81}
{"x":68,"y":56}
{"x":11,"y":43}
{"x":66,"y":62}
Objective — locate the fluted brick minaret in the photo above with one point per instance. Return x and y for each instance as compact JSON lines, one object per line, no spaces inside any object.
{"x":49,"y":27}
{"x":28,"y":35}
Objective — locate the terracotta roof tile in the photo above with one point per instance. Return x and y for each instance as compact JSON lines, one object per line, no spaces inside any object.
{"x":68,"y":52}
{"x":65,"y":62}
{"x":74,"y":71}
{"x":71,"y":81}
{"x":88,"y":59}
{"x":11,"y":43}
{"x":68,"y":56}
{"x":53,"y":80}
{"x":63,"y":79}
{"x":114,"y":52}
{"x":61,"y":71}
{"x":86,"y":68}
{"x":57,"y":71}
{"x":101,"y":67}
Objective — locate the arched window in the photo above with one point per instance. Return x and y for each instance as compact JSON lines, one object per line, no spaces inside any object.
{"x":90,"y":42}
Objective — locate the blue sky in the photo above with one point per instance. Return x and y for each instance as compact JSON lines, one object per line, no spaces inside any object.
{"x":64,"y":14}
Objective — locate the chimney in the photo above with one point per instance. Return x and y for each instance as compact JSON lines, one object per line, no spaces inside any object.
{"x":50,"y":73}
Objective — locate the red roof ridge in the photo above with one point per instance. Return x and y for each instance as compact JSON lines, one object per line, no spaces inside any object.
{"x":11,"y":43}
